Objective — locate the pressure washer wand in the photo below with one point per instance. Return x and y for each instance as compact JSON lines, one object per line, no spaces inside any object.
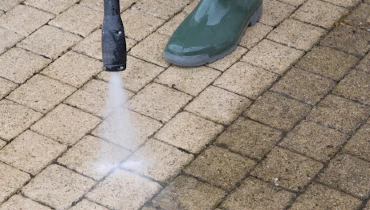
{"x":113,"y":38}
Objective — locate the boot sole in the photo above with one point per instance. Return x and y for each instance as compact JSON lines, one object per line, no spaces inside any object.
{"x":199,"y":60}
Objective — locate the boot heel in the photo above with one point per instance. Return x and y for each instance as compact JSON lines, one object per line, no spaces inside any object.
{"x":256,"y":16}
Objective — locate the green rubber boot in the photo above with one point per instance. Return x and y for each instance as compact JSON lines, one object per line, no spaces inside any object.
{"x":211,"y":31}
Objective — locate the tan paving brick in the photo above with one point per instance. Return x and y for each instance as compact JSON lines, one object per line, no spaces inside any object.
{"x":8,"y":4}
{"x":5,"y":87}
{"x":274,"y":12}
{"x":348,"y":173}
{"x":151,"y":49}
{"x":367,"y":207}
{"x":188,"y":193}
{"x":9,"y":39}
{"x":20,"y":202}
{"x":319,"y":13}
{"x":57,"y":187}
{"x":364,"y":64}
{"x":143,"y":128}
{"x":319,"y":196}
{"x":344,"y":3}
{"x":355,"y":86}
{"x":220,"y":167}
{"x":327,"y":62}
{"x":41,"y":93}
{"x":359,"y":143}
{"x":348,"y":39}
{"x":52,"y":6}
{"x":277,"y":111}
{"x":161,"y":8}
{"x":249,"y":138}
{"x":123,"y":190}
{"x":11,"y":180}
{"x":218,"y":105}
{"x":339,"y":113}
{"x":137,"y":74}
{"x":246,"y":80}
{"x":98,"y":5}
{"x":138,"y":24}
{"x":15,"y":118}
{"x":2,"y":143}
{"x":314,"y":140}
{"x":359,"y":17}
{"x":190,"y":7}
{"x":24,"y":19}
{"x":254,"y":34}
{"x":287,"y":169}
{"x":189,"y":132}
{"x":272,"y":56}
{"x":66,"y":124}
{"x":297,"y":34}
{"x":18,"y":65}
{"x":227,"y":61}
{"x":294,"y":2}
{"x":257,"y":195}
{"x":157,"y":160}
{"x":189,"y":80}
{"x":169,"y":27}
{"x":148,"y":208}
{"x":93,"y":157}
{"x":79,"y":20}
{"x":159,"y":102}
{"x":31,"y":152}
{"x":87,"y":205}
{"x":304,"y":86}
{"x":73,"y":68}
{"x":49,"y":41}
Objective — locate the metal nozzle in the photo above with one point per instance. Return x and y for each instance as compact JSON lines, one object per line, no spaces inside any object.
{"x":113,"y":38}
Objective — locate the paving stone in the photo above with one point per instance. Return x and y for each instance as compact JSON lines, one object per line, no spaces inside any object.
{"x":9,"y":39}
{"x":296,"y":34}
{"x":348,"y":39}
{"x":2,"y":143}
{"x":161,"y":8}
{"x":148,"y":208}
{"x":257,"y":195}
{"x":277,"y":111}
{"x":344,"y":3}
{"x":151,"y":49}
{"x":220,"y":167}
{"x":49,"y":41}
{"x":318,"y":196}
{"x":52,"y":6}
{"x":274,"y":12}
{"x":189,"y":80}
{"x":79,"y":20}
{"x":314,"y":140}
{"x":364,"y":64}
{"x":41,"y":93}
{"x":287,"y":169}
{"x":98,"y":5}
{"x":93,"y":157}
{"x":24,"y":19}
{"x":157,"y":160}
{"x":191,"y":6}
{"x":304,"y":86}
{"x":327,"y":62}
{"x":142,"y":126}
{"x":6,"y":87}
{"x":18,"y":65}
{"x":249,"y":138}
{"x":31,"y":152}
{"x":246,"y":80}
{"x":138,"y":24}
{"x":355,"y":86}
{"x":169,"y":27}
{"x":367,"y":207}
{"x":73,"y":68}
{"x":11,"y":180}
{"x":189,"y":132}
{"x":348,"y":173}
{"x":57,"y":187}
{"x":272,"y":56}
{"x":294,"y":2}
{"x":188,"y":193}
{"x":359,"y":143}
{"x":8,"y":4}
{"x":21,"y":203}
{"x":254,"y":34}
{"x":15,"y":118}
{"x":66,"y":124}
{"x":339,"y":113}
{"x":359,"y":17}
{"x":227,"y":61}
{"x":87,"y":205}
{"x":123,"y":190}
{"x":159,"y":102}
{"x":319,"y":13}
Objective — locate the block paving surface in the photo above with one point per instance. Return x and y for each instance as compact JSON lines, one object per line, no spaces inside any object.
{"x":283,"y":122}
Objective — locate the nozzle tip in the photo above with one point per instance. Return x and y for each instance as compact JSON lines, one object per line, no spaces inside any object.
{"x":114,"y":67}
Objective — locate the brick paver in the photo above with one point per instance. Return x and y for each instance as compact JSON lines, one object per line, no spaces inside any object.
{"x":283,"y":122}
